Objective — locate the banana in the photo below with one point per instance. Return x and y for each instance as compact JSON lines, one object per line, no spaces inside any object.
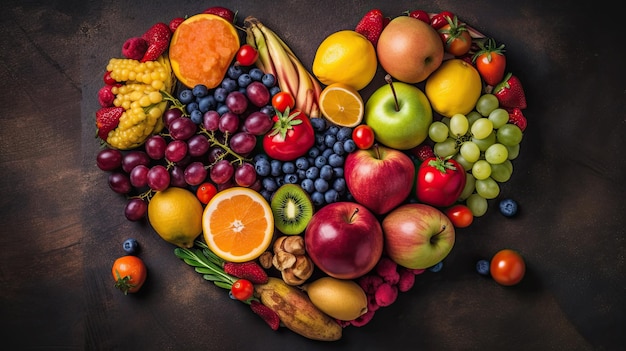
{"x":296,"y":311}
{"x":255,"y":37}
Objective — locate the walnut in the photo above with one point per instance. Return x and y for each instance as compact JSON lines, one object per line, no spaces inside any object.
{"x":291,"y":260}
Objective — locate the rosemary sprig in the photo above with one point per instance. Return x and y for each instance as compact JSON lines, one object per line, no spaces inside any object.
{"x":206,"y":263}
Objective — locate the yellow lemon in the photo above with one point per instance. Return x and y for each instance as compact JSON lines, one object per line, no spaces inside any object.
{"x":176,"y":215}
{"x":453,"y":88}
{"x":345,"y":57}
{"x":342,"y":105}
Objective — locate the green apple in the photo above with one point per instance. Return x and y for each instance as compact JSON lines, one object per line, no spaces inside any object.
{"x":400,"y":115}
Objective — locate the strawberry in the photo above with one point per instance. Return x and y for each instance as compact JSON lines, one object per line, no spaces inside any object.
{"x":107,"y":119}
{"x":371,"y":25}
{"x":175,"y":22}
{"x":250,"y":270}
{"x":517,"y":117}
{"x":423,"y":152}
{"x":269,"y":316}
{"x":223,"y":12}
{"x":510,"y":93}
{"x":106,"y":96}
{"x":158,"y":37}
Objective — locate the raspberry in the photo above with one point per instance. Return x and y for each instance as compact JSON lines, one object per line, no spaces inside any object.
{"x":106,"y":96}
{"x":407,"y":280}
{"x":424,"y":152}
{"x":369,"y":283}
{"x":387,"y":269}
{"x":363,"y":319}
{"x":386,"y":294}
{"x":134,"y":48}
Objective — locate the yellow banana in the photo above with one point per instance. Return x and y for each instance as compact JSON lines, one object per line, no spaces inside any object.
{"x":255,"y":37}
{"x":296,"y":311}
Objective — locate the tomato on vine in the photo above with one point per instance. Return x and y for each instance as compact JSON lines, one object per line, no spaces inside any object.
{"x":282,"y":100}
{"x":242,"y":289}
{"x":456,"y":38}
{"x":490,"y":61}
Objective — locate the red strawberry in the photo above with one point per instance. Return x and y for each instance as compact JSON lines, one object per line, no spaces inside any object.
{"x":107,"y":119}
{"x":517,"y":117}
{"x":423,"y":152}
{"x":175,"y":22}
{"x":510,"y":93}
{"x":106,"y":96}
{"x":158,"y":38}
{"x":269,"y":316}
{"x":250,"y":270}
{"x":223,"y":12}
{"x":371,"y":25}
{"x":155,"y":50}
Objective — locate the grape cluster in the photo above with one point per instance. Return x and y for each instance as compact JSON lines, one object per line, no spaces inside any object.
{"x":319,"y":172}
{"x":209,"y":136}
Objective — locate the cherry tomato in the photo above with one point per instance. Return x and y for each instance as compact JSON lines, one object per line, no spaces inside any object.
{"x":242,"y":289}
{"x":247,"y":55}
{"x":456,"y":38}
{"x":507,"y":267}
{"x":439,"y":20}
{"x":282,"y":100}
{"x":363,"y":136}
{"x":460,"y":215}
{"x":205,"y":192}
{"x":129,"y":273}
{"x":490,"y":62}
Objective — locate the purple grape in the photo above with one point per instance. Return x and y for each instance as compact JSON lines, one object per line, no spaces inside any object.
{"x":182,"y":128}
{"x":155,"y":147}
{"x":158,"y":178}
{"x":176,"y":150}
{"x":258,"y":123}
{"x":229,"y":123}
{"x":211,"y":120}
{"x":139,"y":176}
{"x":215,"y":153}
{"x":242,"y":142}
{"x":245,"y":175}
{"x":195,"y":173}
{"x":198,"y":145}
{"x":134,"y":158}
{"x":109,"y":159}
{"x":135,"y":209}
{"x":170,"y":115}
{"x":258,"y":94}
{"x":237,"y":102}
{"x":177,"y":177}
{"x":221,"y":172}
{"x":120,"y":183}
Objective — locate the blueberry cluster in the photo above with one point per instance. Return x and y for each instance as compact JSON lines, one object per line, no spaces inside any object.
{"x":319,"y":172}
{"x":200,"y":99}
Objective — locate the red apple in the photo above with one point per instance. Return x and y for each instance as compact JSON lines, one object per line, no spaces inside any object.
{"x":417,"y":235}
{"x":344,"y":240}
{"x":379,"y":178}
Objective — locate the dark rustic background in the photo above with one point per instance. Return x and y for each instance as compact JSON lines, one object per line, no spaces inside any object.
{"x":62,"y":227}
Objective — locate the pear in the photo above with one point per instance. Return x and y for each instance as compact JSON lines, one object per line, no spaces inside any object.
{"x":339,"y":298}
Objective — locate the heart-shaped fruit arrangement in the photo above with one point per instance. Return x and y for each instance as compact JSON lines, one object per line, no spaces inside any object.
{"x":282,"y":185}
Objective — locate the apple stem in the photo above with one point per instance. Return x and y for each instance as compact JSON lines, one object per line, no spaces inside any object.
{"x":393,"y":91}
{"x":356,"y":210}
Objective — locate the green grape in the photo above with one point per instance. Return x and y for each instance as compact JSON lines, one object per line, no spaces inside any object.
{"x":445,"y":148}
{"x":496,"y":153}
{"x":470,"y":186}
{"x":470,"y":151}
{"x":502,"y":172}
{"x":477,"y":204}
{"x":487,"y":188}
{"x":459,"y":124}
{"x":483,"y":144}
{"x":438,"y":131}
{"x":509,"y":135}
{"x":513,"y":151}
{"x":482,"y":128}
{"x":472,"y":117}
{"x":487,"y":103}
{"x":481,"y":169}
{"x":466,"y":164}
{"x":499,"y":117}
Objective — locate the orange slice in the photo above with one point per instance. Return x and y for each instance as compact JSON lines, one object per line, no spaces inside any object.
{"x":202,"y":48}
{"x":238,"y":224}
{"x":342,"y":105}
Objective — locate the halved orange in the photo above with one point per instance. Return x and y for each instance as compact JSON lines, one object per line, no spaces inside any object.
{"x":238,"y":224}
{"x":342,"y":105}
{"x":202,"y":48}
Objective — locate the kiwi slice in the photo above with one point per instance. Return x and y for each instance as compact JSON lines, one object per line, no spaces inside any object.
{"x":292,"y":209}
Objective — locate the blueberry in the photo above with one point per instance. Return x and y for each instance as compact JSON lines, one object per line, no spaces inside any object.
{"x":319,"y":124}
{"x":289,"y":167}
{"x":312,"y":173}
{"x":185,"y":96}
{"x":274,"y":90}
{"x":339,"y":184}
{"x":234,"y":71}
{"x":280,"y":181}
{"x":262,"y":167}
{"x":244,"y":80}
{"x":344,"y":133}
{"x":268,"y":80}
{"x":207,"y":103}
{"x":130,"y":246}
{"x":301,"y":173}
{"x":320,"y":161}
{"x":331,"y":195}
{"x":222,"y":109}
{"x":349,"y":145}
{"x":332,"y":130}
{"x":220,"y":94}
{"x":321,"y":185}
{"x":314,"y":152}
{"x":317,"y":198}
{"x":319,"y":140}
{"x":200,"y":90}
{"x":267,"y":195}
{"x":482,"y":267}
{"x":508,"y":207}
{"x":192,"y":106}
{"x":338,"y":148}
{"x":436,"y":268}
{"x":338,"y":171}
{"x":256,"y":74}
{"x":326,"y":172}
{"x":269,"y":184}
{"x":302,"y":163}
{"x":307,"y":185}
{"x":335,"y":160}
{"x":229,"y":84}
{"x":327,"y":152}
{"x":330,"y":139}
{"x":196,"y":116}
{"x":268,"y":110}
{"x":276,"y":168}
{"x":258,"y":157}
{"x":291,"y":178}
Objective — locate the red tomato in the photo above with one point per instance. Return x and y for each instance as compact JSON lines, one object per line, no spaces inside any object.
{"x":507,"y":267}
{"x":440,"y":181}
{"x":363,"y":136}
{"x":420,"y":15}
{"x":439,"y":20}
{"x":456,"y":38}
{"x":460,"y":215}
{"x":247,"y":55}
{"x":282,"y":100}
{"x":242,"y":289}
{"x":129,"y":273}
{"x":205,"y":192}
{"x":291,"y":137}
{"x":490,"y":62}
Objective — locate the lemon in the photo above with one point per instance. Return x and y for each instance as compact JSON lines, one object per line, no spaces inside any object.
{"x":342,"y":105}
{"x":175,"y":214}
{"x":453,"y":88}
{"x":345,"y":57}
